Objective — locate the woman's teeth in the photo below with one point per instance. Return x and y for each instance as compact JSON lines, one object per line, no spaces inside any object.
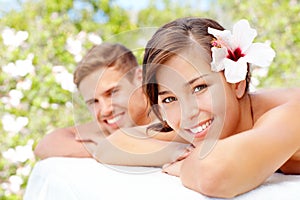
{"x":200,"y":128}
{"x":113,"y":120}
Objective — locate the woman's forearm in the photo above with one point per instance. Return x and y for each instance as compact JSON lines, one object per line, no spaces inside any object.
{"x":137,"y":149}
{"x":243,"y":161}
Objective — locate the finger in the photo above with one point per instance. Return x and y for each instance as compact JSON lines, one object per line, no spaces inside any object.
{"x":182,"y":151}
{"x":89,"y":137}
{"x":173,"y":169}
{"x":84,"y":136}
{"x":183,"y":156}
{"x":85,"y":140}
{"x":90,"y":147}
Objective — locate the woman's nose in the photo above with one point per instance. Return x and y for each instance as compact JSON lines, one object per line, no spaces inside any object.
{"x":189,"y":108}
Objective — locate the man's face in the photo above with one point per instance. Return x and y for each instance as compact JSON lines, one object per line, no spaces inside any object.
{"x":113,"y":99}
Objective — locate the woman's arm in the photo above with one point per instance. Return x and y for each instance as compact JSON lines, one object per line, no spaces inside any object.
{"x":292,"y":166}
{"x":242,"y":162}
{"x":132,"y":147}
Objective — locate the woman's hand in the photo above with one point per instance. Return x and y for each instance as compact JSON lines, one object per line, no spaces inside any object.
{"x":175,"y":167}
{"x":132,"y":147}
{"x":292,"y":166}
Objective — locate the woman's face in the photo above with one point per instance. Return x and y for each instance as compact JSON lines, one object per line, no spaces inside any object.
{"x":195,"y":101}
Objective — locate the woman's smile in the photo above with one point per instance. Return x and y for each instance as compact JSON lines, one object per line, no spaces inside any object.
{"x":200,"y":130}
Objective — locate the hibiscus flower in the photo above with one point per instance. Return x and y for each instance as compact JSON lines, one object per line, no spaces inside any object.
{"x":232,"y":52}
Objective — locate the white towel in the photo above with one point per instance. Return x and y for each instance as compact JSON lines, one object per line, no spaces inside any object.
{"x":84,"y":178}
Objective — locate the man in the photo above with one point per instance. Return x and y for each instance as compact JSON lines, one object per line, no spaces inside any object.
{"x":110,"y":81}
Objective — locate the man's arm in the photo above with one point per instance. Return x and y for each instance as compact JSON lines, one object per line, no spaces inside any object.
{"x":62,"y":142}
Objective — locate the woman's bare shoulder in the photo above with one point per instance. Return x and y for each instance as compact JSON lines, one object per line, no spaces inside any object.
{"x":279,"y":94}
{"x":266,"y":99}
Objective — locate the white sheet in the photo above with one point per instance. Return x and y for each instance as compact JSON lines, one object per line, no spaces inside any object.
{"x":84,"y":178}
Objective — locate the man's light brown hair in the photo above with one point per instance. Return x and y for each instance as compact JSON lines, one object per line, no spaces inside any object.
{"x":105,"y":55}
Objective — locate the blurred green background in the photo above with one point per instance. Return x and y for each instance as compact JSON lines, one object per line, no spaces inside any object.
{"x":42,"y":41}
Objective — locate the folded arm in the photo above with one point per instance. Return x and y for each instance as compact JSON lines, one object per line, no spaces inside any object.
{"x":130,"y":146}
{"x":242,"y":162}
{"x":133,"y":148}
{"x":292,"y":166}
{"x":62,"y":142}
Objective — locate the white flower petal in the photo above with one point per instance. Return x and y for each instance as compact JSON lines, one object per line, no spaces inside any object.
{"x":218,"y":55}
{"x":94,"y":38}
{"x":243,"y":35}
{"x":260,"y":54}
{"x":235,"y":71}
{"x":225,"y":37}
{"x":242,"y":39}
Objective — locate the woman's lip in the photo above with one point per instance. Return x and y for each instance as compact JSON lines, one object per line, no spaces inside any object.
{"x":201,"y":129}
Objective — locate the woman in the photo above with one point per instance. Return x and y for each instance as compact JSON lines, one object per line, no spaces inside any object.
{"x":197,"y":75}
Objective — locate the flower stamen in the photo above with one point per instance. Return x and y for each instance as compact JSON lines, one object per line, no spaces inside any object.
{"x":235,"y":55}
{"x":216,"y":43}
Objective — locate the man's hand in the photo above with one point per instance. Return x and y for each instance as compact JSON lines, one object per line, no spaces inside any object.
{"x":63,"y":142}
{"x":90,"y":137}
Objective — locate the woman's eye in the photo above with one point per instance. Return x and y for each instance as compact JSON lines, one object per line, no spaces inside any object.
{"x":198,"y":88}
{"x":169,"y":99}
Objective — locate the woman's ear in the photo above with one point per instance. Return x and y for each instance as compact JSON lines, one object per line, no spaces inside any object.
{"x":240,"y":88}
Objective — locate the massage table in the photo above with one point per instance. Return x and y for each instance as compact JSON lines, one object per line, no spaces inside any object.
{"x":60,"y":178}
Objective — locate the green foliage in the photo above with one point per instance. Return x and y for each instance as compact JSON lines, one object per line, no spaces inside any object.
{"x":278,"y":22}
{"x":161,"y":12}
{"x":35,"y":102}
{"x":29,"y":112}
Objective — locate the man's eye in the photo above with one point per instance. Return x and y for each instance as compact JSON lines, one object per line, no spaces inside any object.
{"x":91,"y":102}
{"x":112,"y":92}
{"x":198,"y":88}
{"x":169,"y":99}
{"x":115,"y":91}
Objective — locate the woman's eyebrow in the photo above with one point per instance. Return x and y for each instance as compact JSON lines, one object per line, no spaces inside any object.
{"x":164,"y":92}
{"x":195,"y":79}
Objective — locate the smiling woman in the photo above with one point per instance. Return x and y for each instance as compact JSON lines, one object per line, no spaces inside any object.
{"x":211,"y":106}
{"x":179,"y":104}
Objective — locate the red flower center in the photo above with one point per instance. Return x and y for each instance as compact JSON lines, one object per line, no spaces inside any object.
{"x":235,"y":55}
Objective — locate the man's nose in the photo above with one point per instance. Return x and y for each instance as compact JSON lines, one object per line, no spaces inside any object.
{"x":104,"y":108}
